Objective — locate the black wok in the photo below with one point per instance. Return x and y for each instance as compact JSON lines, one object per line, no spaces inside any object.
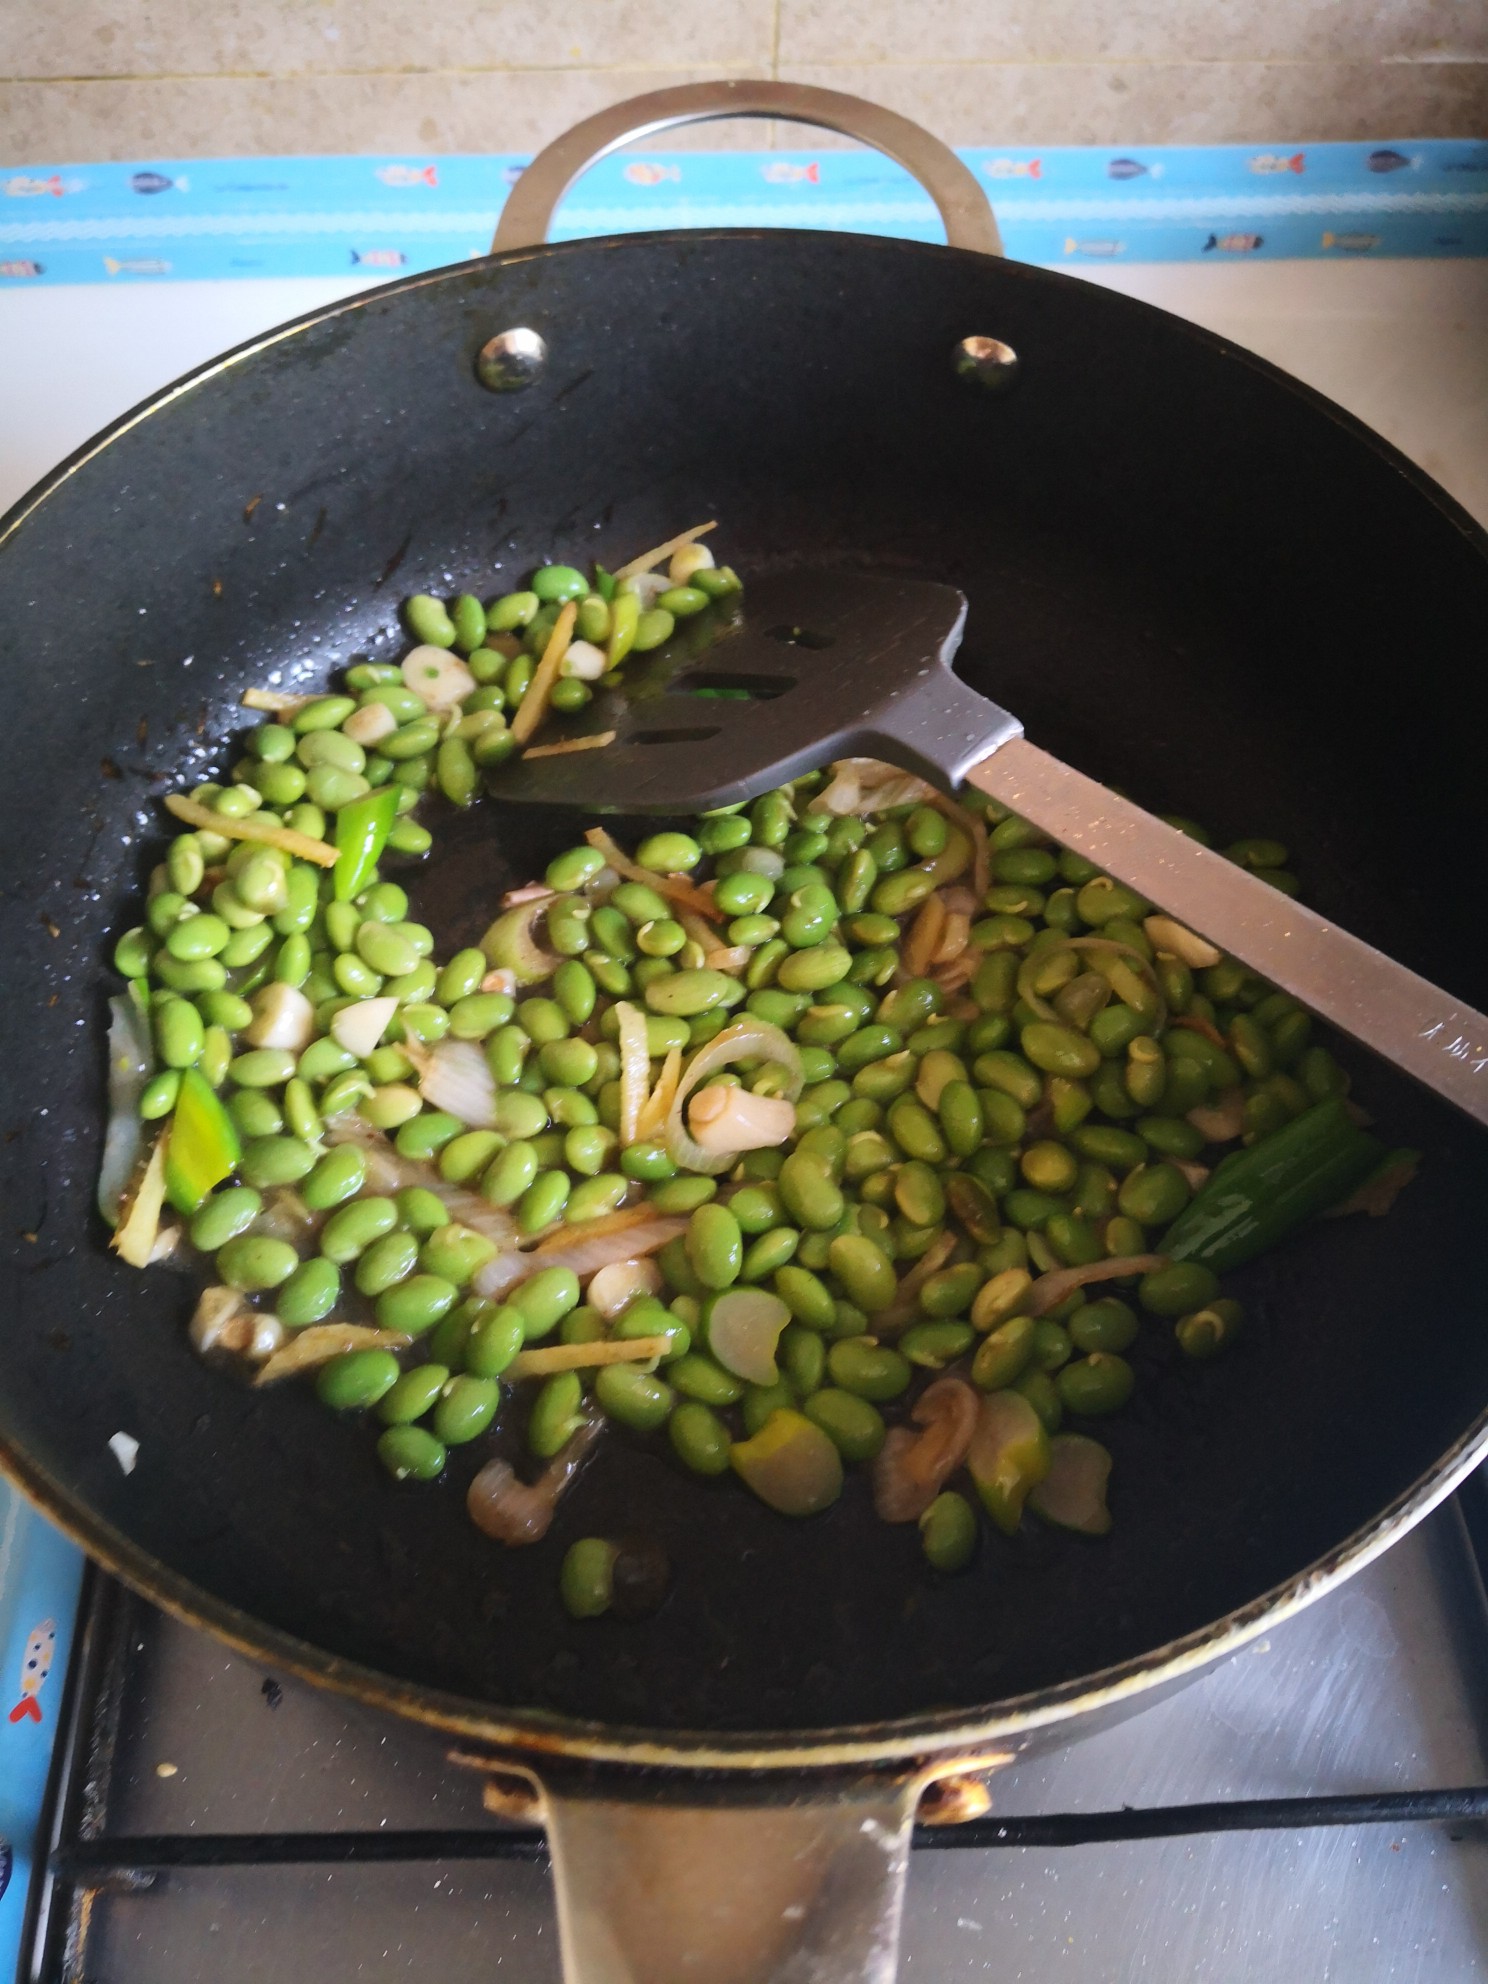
{"x":1188,"y":573}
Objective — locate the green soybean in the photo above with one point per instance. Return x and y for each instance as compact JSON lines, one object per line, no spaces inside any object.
{"x":356,"y":1379}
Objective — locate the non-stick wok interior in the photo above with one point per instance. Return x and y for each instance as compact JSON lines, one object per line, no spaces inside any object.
{"x":1186,"y":575}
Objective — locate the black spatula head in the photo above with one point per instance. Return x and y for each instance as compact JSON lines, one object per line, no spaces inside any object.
{"x":824,"y":665}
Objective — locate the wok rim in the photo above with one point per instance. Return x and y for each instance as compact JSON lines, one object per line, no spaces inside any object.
{"x":534,"y":1733}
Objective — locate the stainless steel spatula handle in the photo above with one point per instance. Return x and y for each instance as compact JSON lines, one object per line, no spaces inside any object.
{"x":1401,"y":1016}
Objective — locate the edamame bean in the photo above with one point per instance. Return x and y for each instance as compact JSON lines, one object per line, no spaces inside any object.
{"x":415,"y":1393}
{"x":158,"y":1096}
{"x":224,"y":1216}
{"x":356,"y":1379}
{"x":948,"y":1532}
{"x":715,"y":1246}
{"x":1177,"y":1289}
{"x":853,"y":1425}
{"x":410,"y":1453}
{"x":255,"y":1261}
{"x":1097,"y":1384}
{"x":415,"y":1305}
{"x":699,"y":1438}
{"x":1004,"y":1355}
{"x":544,"y":1299}
{"x":270,"y":1161}
{"x":865,"y":1271}
{"x":636,"y":1398}
{"x":868,"y":1369}
{"x":465,"y":1409}
{"x":310,"y":1294}
{"x":935,"y":1345}
{"x":355,"y":1226}
{"x":556,"y":1415}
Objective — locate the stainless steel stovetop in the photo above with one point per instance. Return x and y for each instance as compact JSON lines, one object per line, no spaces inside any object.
{"x":1378,"y":1687}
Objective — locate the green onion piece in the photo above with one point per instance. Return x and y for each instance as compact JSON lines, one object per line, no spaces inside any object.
{"x":1260,"y":1195}
{"x":362,"y":829}
{"x":604,"y":583}
{"x":203,"y":1146}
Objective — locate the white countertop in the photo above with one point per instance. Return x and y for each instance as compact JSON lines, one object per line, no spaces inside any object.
{"x":1403,"y":344}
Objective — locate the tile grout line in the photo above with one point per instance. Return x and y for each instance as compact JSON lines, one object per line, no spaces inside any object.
{"x":1424,"y":62}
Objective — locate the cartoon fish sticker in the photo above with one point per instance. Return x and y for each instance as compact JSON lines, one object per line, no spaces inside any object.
{"x":20,"y":186}
{"x":1073,"y":247}
{"x":36,"y":1664}
{"x":408,"y":175}
{"x":1385,"y":160}
{"x":1014,"y":168}
{"x":20,"y":268}
{"x":1131,"y":168}
{"x":641,"y":172}
{"x":157,"y":182}
{"x":140,"y":266}
{"x":378,"y":258}
{"x":1234,"y":244}
{"x":1351,"y":244}
{"x":1274,"y":162}
{"x":782,"y":172}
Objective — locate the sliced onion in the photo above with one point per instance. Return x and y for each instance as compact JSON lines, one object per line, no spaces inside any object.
{"x":358,"y":1028}
{"x":516,"y":1512}
{"x":925,"y":933}
{"x":652,"y":1119}
{"x":510,"y":944}
{"x":1073,"y":1492}
{"x":905,"y":1307}
{"x":388,"y":1171}
{"x":744,"y":1326}
{"x":911,"y":1468}
{"x":614,"y":1287}
{"x":726,"y":1121}
{"x":586,"y":1253}
{"x":131,"y":1063}
{"x":1166,"y":933}
{"x":455,"y":1078}
{"x":975,"y":827}
{"x":746,"y":1040}
{"x":1053,"y":1288}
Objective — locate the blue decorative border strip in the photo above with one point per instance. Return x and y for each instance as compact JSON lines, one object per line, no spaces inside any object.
{"x":375,"y":217}
{"x":40,"y":1574}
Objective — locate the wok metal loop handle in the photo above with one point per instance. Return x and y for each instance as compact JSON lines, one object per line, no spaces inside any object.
{"x":959,"y":199}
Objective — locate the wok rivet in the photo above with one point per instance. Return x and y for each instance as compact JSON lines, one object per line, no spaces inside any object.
{"x":511,"y":360}
{"x":987,"y":363}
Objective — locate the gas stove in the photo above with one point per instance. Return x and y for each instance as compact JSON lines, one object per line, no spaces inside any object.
{"x":209,"y":1819}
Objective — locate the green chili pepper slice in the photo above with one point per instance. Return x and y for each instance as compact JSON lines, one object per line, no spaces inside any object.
{"x":1260,"y":1195}
{"x":203,"y":1147}
{"x":362,"y":828}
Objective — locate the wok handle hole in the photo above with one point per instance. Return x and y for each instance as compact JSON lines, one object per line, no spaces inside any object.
{"x":737,"y":687}
{"x":799,"y":637}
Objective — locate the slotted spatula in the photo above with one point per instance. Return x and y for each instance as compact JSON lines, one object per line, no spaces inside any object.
{"x":835,"y":664}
